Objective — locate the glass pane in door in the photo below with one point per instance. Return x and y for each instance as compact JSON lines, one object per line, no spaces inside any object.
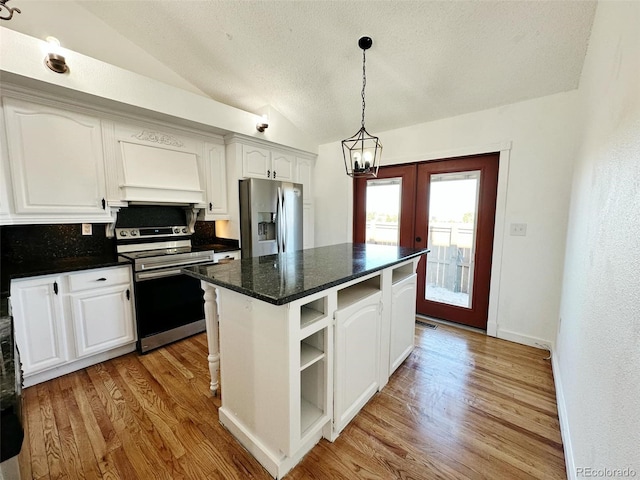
{"x":383,"y":211}
{"x":453,"y":210}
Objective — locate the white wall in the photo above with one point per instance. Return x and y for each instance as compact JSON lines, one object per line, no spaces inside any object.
{"x":94,"y":82}
{"x":597,"y":359}
{"x":81,"y":31}
{"x":542,"y":133}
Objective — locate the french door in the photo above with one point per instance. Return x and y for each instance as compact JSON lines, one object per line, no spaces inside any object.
{"x":447,"y":206}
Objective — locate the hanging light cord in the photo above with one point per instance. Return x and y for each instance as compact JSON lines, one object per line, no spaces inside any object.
{"x":364,"y":82}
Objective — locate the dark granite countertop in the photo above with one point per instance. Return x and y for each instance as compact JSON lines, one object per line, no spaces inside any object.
{"x":9,"y":270}
{"x":283,"y":278}
{"x":7,"y":372}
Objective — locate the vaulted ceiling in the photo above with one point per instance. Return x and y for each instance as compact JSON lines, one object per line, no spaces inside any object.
{"x":429,"y":60}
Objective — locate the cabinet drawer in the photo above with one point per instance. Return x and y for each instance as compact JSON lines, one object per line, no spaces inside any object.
{"x":99,"y":278}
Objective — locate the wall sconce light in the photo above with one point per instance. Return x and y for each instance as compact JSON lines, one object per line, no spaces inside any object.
{"x":54,"y":59}
{"x":263,"y":123}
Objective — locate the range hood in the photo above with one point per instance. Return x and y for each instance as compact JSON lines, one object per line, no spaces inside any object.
{"x":159,"y":175}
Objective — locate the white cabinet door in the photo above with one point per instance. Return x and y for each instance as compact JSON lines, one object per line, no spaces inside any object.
{"x":39,"y":324}
{"x":304,"y":175}
{"x":403,"y":321}
{"x":56,"y":159}
{"x":283,"y":166}
{"x":102,"y":319}
{"x":256,"y":162}
{"x":357,"y":347}
{"x":216,"y":173}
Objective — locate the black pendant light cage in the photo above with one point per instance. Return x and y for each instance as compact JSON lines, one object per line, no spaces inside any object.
{"x":362,"y":151}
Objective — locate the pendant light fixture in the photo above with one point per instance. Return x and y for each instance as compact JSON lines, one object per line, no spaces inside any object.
{"x":362,"y":151}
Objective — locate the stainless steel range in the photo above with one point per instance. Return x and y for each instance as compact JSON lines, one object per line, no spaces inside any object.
{"x":169,"y":305}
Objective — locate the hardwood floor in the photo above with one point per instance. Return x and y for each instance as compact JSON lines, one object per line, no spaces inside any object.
{"x":463,"y":405}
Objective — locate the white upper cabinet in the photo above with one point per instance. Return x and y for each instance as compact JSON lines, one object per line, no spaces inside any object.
{"x":260,"y":162}
{"x":256,"y":162}
{"x":283,"y":165}
{"x":216,"y":182}
{"x":56,"y":162}
{"x":304,"y":175}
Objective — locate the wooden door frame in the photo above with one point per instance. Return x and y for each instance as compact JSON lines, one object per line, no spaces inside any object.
{"x":504,"y":149}
{"x":478,"y":314}
{"x":407,"y":207}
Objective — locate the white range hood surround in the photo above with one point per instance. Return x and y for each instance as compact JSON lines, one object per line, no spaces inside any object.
{"x":159,"y":175}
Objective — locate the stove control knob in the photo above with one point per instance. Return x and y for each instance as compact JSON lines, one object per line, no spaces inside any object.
{"x":133,"y":233}
{"x":176,"y":230}
{"x":184,"y":230}
{"x":123,"y":233}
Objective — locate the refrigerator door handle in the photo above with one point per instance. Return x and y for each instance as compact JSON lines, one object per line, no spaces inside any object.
{"x":279,"y":221}
{"x":284,"y":225}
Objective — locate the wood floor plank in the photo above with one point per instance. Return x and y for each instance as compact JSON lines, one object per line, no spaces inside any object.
{"x":462,"y":406}
{"x":90,"y":468}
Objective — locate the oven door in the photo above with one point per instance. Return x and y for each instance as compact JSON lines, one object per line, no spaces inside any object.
{"x":169,"y":306}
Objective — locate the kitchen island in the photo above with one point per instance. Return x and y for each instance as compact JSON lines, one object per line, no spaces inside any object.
{"x":306,"y":338}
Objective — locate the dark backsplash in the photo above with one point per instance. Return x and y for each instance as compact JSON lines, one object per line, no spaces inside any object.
{"x":32,"y":243}
{"x":204,"y":233}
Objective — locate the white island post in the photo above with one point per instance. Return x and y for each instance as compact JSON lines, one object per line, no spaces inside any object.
{"x":305,"y":340}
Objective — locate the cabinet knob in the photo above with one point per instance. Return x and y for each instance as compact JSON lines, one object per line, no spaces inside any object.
{"x":418,"y":239}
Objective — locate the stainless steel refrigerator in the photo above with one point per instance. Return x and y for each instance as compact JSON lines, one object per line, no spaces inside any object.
{"x":270,"y":217}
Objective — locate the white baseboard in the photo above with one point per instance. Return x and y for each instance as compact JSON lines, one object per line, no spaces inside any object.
{"x":525,"y":339}
{"x":570,"y":463}
{"x":35,"y":378}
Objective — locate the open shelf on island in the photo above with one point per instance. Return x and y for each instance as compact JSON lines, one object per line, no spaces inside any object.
{"x":350,"y":295}
{"x":309,"y":355}
{"x":312,"y":312}
{"x":400,"y":273}
{"x":309,"y":414}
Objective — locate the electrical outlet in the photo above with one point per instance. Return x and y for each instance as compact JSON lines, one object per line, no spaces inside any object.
{"x":86,"y":229}
{"x":518,"y":229}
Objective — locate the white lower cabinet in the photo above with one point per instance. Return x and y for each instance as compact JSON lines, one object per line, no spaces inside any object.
{"x":39,"y":324}
{"x":403,"y":321}
{"x":357,"y":347}
{"x":276,"y":364}
{"x":91,"y":332}
{"x":67,"y":322}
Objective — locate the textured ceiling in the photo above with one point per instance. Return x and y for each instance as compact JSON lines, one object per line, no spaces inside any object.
{"x":429,"y":60}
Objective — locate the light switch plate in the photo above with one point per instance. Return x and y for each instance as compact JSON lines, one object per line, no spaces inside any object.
{"x":86,"y":229}
{"x":518,"y":229}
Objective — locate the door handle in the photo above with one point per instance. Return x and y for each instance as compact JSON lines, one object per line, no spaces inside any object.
{"x":210,"y":206}
{"x":128,"y":294}
{"x":268,"y":173}
{"x":101,"y":279}
{"x":55,"y":287}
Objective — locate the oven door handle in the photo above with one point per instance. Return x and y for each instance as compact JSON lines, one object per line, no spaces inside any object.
{"x":141,"y":277}
{"x":183,"y":263}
